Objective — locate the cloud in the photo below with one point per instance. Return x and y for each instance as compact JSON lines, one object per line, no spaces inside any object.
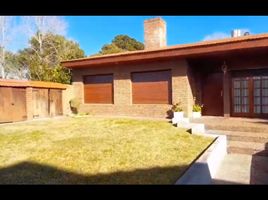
{"x":222,"y":35}
{"x":216,"y":35}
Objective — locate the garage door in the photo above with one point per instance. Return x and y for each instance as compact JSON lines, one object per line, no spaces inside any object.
{"x":98,"y":89}
{"x":55,"y":102}
{"x":40,"y":102}
{"x":12,"y":104}
{"x":153,"y":87}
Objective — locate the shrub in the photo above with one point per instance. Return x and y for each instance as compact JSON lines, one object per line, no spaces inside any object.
{"x":177,"y":107}
{"x":197,"y":107}
{"x":74,"y":104}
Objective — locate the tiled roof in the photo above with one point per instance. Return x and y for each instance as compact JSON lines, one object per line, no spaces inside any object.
{"x":181,"y":46}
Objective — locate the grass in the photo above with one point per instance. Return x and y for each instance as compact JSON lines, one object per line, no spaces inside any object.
{"x":96,"y":151}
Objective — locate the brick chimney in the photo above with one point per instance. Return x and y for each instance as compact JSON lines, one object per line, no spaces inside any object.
{"x":155,"y":33}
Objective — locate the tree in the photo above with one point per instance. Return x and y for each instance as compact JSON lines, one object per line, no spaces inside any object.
{"x":44,"y":63}
{"x":127,"y":43}
{"x":37,"y":26}
{"x":121,"y":43}
{"x":5,"y":29}
{"x":48,"y":47}
{"x":109,"y":49}
{"x":13,"y":68}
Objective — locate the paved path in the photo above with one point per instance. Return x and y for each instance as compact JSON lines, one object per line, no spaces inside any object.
{"x":242,"y":169}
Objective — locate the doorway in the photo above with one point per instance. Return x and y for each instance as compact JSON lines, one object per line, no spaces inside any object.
{"x":212,"y":94}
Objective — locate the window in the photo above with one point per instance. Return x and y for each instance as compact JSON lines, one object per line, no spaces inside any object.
{"x":98,"y":89}
{"x":153,"y":87}
{"x":241,"y":95}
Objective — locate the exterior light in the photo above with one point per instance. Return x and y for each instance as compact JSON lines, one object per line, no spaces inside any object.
{"x":224,"y":67}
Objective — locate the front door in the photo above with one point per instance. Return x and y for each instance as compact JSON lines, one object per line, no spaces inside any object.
{"x":212,"y":95}
{"x":250,"y":96}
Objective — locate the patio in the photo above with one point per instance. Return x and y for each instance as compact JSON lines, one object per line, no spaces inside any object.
{"x":234,"y":124}
{"x":247,"y":158}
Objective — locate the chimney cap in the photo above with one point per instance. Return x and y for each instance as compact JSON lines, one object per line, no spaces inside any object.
{"x":155,"y":19}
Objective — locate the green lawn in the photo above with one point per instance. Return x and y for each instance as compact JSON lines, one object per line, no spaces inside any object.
{"x":96,"y":151}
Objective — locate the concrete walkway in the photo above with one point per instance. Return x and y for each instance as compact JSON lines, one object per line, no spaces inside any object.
{"x":242,"y":169}
{"x":234,"y":124}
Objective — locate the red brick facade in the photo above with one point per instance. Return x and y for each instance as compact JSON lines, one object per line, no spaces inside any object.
{"x":181,"y":89}
{"x":193,"y":67}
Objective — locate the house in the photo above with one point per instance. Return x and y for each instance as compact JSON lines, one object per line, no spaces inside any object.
{"x":229,"y":76}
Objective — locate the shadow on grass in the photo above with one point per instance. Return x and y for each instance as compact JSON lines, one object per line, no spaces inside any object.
{"x":34,"y":173}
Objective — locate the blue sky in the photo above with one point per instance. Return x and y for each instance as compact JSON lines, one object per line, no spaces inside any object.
{"x":92,"y":32}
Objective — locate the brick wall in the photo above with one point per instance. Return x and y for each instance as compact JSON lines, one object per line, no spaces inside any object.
{"x":196,"y":85}
{"x":181,"y":89}
{"x":67,"y":95}
{"x":154,"y":33}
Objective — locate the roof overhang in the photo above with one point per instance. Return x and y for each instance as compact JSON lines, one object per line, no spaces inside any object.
{"x":178,"y":51}
{"x":35,"y":84}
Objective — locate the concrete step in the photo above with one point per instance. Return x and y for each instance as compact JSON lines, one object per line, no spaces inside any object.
{"x":194,"y":128}
{"x":237,"y":127}
{"x":246,"y":151}
{"x":250,"y":148}
{"x":242,"y":136}
{"x":252,"y":145}
{"x":247,"y":139}
{"x":180,"y":120}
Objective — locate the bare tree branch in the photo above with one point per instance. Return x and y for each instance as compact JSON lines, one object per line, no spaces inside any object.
{"x":5,"y":29}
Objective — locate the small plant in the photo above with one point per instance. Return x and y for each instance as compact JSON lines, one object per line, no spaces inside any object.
{"x":197,"y":107}
{"x":74,"y":104}
{"x":177,"y":107}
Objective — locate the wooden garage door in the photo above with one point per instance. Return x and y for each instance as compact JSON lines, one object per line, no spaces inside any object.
{"x":5,"y":104}
{"x":98,"y":89}
{"x":40,"y":102}
{"x":153,"y":87}
{"x":19,"y":104}
{"x":12,"y":104}
{"x":55,"y":102}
